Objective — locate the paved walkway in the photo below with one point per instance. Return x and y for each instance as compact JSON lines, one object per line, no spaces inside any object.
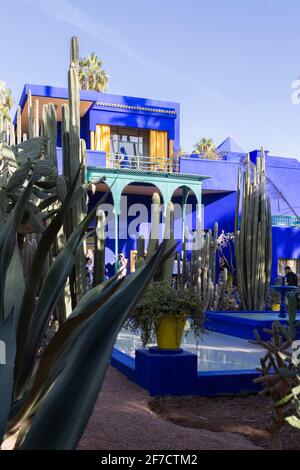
{"x":122,"y":420}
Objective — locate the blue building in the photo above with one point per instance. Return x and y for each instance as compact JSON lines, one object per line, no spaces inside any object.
{"x":135,"y":143}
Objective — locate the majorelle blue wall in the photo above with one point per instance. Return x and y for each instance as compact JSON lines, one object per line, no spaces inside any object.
{"x":113,"y":110}
{"x":126,"y":243}
{"x":283,"y":183}
{"x":141,"y":113}
{"x":286,"y":244}
{"x":219,"y":196}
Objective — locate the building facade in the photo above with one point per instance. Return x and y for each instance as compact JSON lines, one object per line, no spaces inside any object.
{"x":135,"y":142}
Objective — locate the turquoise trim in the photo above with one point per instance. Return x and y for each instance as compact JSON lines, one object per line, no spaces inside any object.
{"x":167,"y":183}
{"x":285,"y":221}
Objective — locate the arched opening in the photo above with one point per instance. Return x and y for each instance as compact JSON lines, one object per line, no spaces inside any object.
{"x":95,"y":196}
{"x":186,"y":214}
{"x":135,"y":218}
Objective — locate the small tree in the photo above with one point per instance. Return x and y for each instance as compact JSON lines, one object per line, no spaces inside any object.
{"x":206,"y":148}
{"x":91,"y":74}
{"x":6,"y":101}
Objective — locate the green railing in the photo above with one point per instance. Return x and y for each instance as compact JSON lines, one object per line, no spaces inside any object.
{"x":285,"y":220}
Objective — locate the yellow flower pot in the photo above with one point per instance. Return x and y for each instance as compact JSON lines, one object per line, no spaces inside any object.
{"x":275,"y":307}
{"x":169,"y":332}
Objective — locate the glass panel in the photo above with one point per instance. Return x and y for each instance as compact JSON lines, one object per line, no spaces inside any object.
{"x":130,"y":141}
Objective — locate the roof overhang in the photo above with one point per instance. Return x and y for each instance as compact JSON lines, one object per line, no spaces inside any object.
{"x":46,"y":95}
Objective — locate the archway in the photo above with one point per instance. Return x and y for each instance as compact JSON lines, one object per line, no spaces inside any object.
{"x":134,"y":217}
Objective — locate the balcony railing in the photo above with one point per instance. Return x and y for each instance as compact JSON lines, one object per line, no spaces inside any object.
{"x":141,"y":162}
{"x":286,"y":220}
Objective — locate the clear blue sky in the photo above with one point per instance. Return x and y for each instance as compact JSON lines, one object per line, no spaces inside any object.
{"x":230,"y":63}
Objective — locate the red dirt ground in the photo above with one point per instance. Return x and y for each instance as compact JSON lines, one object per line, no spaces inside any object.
{"x":245,"y":416}
{"x":122,"y":419}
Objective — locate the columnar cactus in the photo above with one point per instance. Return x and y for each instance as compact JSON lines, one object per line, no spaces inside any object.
{"x":99,"y":248}
{"x":74,"y":155}
{"x":155,"y":219}
{"x":200,"y":271}
{"x":77,"y":154}
{"x":140,"y":260}
{"x":253,"y":238}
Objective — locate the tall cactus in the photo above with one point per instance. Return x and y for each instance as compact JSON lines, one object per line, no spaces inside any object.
{"x":99,"y":248}
{"x":253,"y":238}
{"x":140,"y":260}
{"x":200,"y":272}
{"x":154,"y":232}
{"x":165,"y":274}
{"x":74,"y":152}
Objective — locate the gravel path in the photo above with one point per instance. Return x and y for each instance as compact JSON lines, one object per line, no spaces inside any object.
{"x":122,"y":420}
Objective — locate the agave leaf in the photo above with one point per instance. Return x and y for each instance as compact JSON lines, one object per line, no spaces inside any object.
{"x":3,"y":204}
{"x":15,"y":284}
{"x":35,"y":275}
{"x":37,"y":223}
{"x":49,"y":364}
{"x":47,"y":184}
{"x":30,"y":331}
{"x":7,"y":240}
{"x":8,"y":336}
{"x":71,"y":398}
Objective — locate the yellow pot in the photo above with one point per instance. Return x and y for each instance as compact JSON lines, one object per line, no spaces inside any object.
{"x":275,"y":307}
{"x":169,"y":332}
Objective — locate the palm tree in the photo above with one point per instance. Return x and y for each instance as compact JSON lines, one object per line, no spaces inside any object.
{"x":6,"y":101}
{"x":206,"y":148}
{"x":91,"y":74}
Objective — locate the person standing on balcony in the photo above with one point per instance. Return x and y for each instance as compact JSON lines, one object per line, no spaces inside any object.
{"x":291,"y":278}
{"x":125,"y":163}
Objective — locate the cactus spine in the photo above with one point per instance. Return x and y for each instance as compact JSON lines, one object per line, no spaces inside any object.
{"x":253,"y":239}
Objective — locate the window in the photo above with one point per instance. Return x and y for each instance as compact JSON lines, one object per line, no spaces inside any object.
{"x":129,"y":140}
{"x":293,"y":263}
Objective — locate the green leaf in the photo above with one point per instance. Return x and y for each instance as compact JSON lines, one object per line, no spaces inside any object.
{"x":48,"y":364}
{"x":7,"y":335}
{"x":30,"y":332}
{"x":284,"y":401}
{"x":8,"y":233}
{"x":293,"y":421}
{"x":15,"y":285}
{"x":35,"y":276}
{"x":30,"y":149}
{"x":296,"y":391}
{"x":18,"y":177}
{"x":65,"y":410}
{"x":8,"y":155}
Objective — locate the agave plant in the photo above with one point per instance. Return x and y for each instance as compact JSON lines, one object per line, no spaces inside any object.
{"x":35,"y":407}
{"x":36,"y":411}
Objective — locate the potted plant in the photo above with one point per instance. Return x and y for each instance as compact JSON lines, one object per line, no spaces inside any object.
{"x":162,"y":315}
{"x":275,"y":300}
